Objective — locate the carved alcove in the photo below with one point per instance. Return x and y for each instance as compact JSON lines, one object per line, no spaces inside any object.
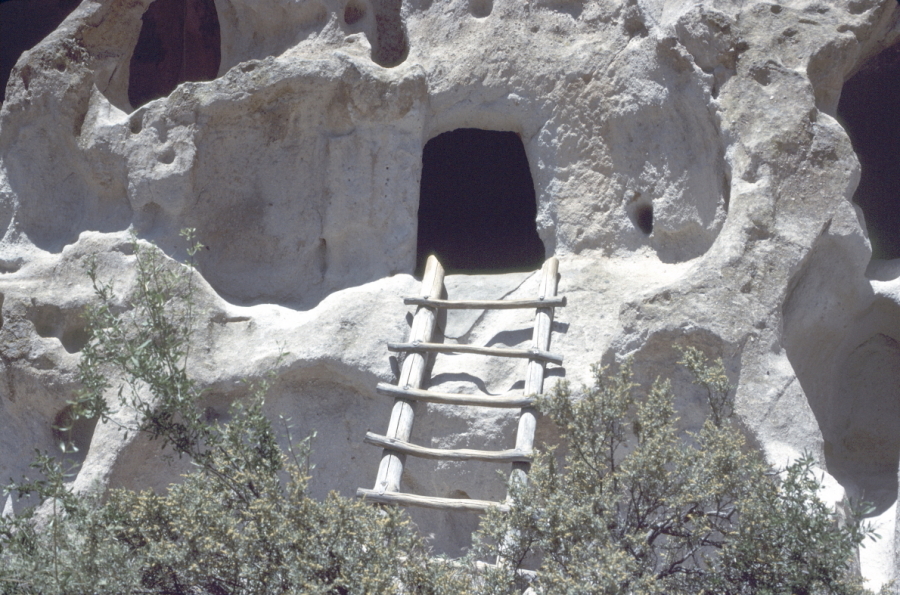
{"x":179,"y":42}
{"x":477,"y":204}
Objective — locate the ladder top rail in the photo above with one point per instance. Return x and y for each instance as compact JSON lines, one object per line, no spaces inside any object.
{"x":509,"y":400}
{"x":448,"y":454}
{"x":550,"y":302}
{"x":421,"y":346}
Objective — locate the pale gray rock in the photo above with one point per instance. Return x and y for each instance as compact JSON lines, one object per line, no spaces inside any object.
{"x":300,"y":166}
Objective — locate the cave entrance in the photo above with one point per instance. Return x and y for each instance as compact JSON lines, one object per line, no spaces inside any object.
{"x":477,"y":207}
{"x":179,"y":42}
{"x":869,"y":109}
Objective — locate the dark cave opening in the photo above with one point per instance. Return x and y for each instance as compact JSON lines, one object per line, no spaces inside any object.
{"x":868,"y":110}
{"x":477,"y":206}
{"x":391,"y":44}
{"x":643,"y":217}
{"x":179,"y":42}
{"x":24,"y":23}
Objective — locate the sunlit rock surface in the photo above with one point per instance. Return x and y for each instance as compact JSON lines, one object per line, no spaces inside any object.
{"x":691,"y":166}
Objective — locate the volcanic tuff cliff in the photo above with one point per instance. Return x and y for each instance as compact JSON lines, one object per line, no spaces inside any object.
{"x":710,"y":173}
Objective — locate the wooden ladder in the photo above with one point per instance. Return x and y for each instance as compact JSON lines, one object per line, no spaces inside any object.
{"x":396,"y":443}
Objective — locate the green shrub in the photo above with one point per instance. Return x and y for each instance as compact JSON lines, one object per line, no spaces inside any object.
{"x":242,"y":522}
{"x":639,"y":508}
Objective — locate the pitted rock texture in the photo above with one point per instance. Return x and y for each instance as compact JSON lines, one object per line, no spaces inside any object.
{"x":690,"y":171}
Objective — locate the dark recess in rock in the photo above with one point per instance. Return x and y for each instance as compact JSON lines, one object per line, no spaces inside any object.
{"x":870,"y":111}
{"x":354,"y":12}
{"x":391,"y":45}
{"x":24,"y":23}
{"x":74,"y":433}
{"x":179,"y":42}
{"x":643,"y":216}
{"x":477,"y":205}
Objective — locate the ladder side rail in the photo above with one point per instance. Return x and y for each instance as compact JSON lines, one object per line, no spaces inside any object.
{"x":391,"y":467}
{"x":534,"y":379}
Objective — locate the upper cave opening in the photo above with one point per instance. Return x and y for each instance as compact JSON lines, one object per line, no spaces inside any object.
{"x":179,"y":42}
{"x":477,"y":208}
{"x":23,"y":23}
{"x":869,"y":110}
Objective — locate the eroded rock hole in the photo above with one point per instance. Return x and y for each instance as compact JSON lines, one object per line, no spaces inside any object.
{"x":391,"y":45}
{"x":643,"y":218}
{"x":67,"y":326}
{"x":179,"y":42}
{"x":868,"y":109}
{"x":477,"y":205}
{"x":23,"y":23}
{"x":354,"y":12}
{"x":73,"y":433}
{"x":481,"y":8}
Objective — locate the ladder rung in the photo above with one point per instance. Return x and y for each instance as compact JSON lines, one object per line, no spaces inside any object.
{"x":550,"y":302}
{"x":535,"y":354}
{"x":448,"y":454}
{"x":513,"y":401}
{"x":430,"y":501}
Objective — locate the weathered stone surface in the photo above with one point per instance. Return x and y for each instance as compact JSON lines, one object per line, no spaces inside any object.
{"x":689,"y":170}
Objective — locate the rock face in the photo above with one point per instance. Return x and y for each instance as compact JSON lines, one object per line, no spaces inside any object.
{"x":689,"y":166}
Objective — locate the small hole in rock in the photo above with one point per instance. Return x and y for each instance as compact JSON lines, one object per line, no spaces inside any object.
{"x":322,"y":257}
{"x":761,"y":75}
{"x":643,"y":218}
{"x":10,"y":265}
{"x":391,"y":44}
{"x":167,"y":156}
{"x":74,"y":433}
{"x":354,"y":12}
{"x":136,"y":125}
{"x":67,"y":326}
{"x":726,"y":192}
{"x":481,"y":8}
